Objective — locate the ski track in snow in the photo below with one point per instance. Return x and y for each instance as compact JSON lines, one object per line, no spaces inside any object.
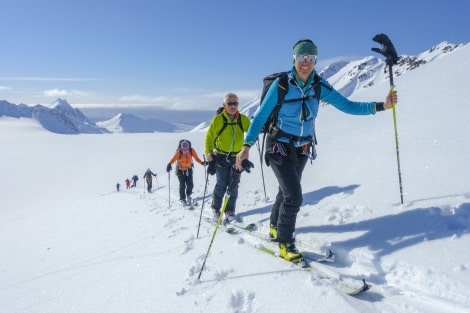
{"x":387,"y":277}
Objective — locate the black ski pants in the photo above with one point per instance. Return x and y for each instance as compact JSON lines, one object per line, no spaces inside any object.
{"x":185,"y":178}
{"x":225,"y":179}
{"x":149,"y":184}
{"x":288,"y":172}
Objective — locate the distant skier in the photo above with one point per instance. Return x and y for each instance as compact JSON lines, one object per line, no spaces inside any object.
{"x":148,"y":177}
{"x":134,"y":180}
{"x":128,"y":183}
{"x":117,"y":186}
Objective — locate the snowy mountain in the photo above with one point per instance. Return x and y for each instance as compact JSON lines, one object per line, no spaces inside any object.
{"x":59,"y":118}
{"x":355,"y":76}
{"x":128,"y":123}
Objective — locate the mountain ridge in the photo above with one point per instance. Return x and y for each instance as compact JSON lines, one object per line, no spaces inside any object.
{"x":348,"y":77}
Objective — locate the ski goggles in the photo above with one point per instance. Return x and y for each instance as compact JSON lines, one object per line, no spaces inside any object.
{"x":231,"y":103}
{"x":308,"y":58}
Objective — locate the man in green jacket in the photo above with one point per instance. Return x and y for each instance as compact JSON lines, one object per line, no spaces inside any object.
{"x":224,"y":140}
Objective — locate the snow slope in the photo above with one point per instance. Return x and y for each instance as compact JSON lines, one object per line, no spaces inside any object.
{"x":71,"y":243}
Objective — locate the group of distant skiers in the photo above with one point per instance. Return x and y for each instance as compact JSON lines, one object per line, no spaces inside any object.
{"x":148,"y":178}
{"x":290,"y":141}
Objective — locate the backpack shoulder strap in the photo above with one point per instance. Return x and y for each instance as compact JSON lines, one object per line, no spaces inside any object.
{"x":283,"y":87}
{"x":239,"y":122}
{"x":226,"y":123}
{"x":223,"y":126}
{"x":317,"y":84}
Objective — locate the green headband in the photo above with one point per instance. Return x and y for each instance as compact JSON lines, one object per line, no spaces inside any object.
{"x":305,"y":46}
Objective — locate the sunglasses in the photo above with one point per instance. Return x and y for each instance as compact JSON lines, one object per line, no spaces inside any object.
{"x":231,"y":103}
{"x":301,"y":57}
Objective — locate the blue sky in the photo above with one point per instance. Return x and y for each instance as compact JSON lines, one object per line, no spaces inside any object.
{"x":185,"y":55}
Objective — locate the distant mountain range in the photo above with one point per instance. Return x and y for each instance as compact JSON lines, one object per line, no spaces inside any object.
{"x":59,"y":118}
{"x":347,"y":77}
{"x":128,"y":123}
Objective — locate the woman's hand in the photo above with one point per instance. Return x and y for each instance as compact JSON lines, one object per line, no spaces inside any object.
{"x":392,"y":98}
{"x":242,"y":155}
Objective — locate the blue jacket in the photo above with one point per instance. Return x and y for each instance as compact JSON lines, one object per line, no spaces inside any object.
{"x":294,"y":120}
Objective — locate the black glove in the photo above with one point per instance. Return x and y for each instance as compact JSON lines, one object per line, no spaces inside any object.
{"x":247,"y":165}
{"x":211,"y":168}
{"x":205,"y":163}
{"x":168,"y":167}
{"x":387,"y":49}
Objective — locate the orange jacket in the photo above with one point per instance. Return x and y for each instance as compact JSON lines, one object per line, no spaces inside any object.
{"x":186,"y":160}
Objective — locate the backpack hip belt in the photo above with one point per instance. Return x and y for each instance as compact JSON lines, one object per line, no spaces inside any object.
{"x":225,"y":153}
{"x":278,"y":133}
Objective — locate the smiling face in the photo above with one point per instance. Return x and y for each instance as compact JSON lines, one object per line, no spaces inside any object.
{"x":305,"y":56}
{"x":304,"y":68}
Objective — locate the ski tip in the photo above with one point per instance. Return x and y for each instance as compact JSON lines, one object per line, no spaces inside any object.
{"x":303,"y":265}
{"x":365,"y":287}
{"x":231,"y":230}
{"x":330,"y":256}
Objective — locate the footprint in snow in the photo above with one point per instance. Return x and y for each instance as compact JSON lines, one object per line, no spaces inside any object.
{"x":242,"y":302}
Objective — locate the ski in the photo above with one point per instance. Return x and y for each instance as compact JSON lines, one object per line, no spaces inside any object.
{"x":251,"y":228}
{"x":301,"y":264}
{"x":305,"y":264}
{"x":189,"y":204}
{"x":335,"y":282}
{"x":360,"y":289}
{"x":227,"y":229}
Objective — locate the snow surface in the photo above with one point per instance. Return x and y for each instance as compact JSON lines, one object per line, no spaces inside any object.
{"x":71,"y":243}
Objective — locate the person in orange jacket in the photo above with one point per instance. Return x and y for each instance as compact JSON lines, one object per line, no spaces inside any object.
{"x":184,"y":157}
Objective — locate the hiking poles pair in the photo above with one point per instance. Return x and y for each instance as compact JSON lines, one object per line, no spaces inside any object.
{"x":203,"y":197}
{"x":388,"y":51}
{"x":246,"y":165}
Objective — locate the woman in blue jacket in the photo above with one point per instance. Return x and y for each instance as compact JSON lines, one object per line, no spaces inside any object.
{"x":290,"y":141}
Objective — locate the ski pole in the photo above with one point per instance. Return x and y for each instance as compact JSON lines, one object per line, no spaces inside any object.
{"x":392,"y":87}
{"x":247,"y":165}
{"x":168,"y":190}
{"x":261,"y":163}
{"x":388,"y":50}
{"x":203,"y":197}
{"x":219,"y":220}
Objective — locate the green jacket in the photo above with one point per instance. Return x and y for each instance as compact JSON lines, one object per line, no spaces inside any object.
{"x":231,"y":139}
